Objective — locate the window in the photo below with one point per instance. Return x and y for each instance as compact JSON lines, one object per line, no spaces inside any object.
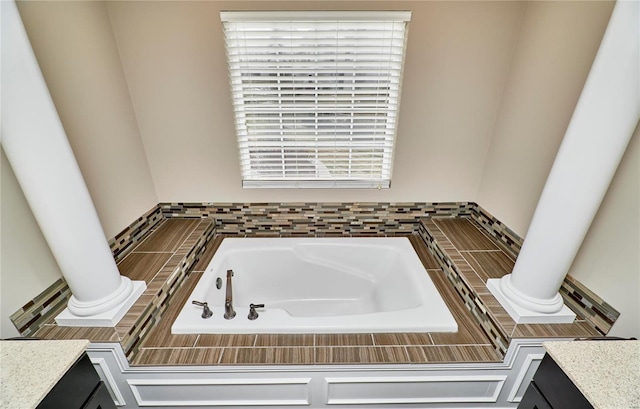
{"x":316,"y":95}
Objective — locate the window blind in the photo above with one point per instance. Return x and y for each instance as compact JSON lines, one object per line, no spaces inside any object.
{"x":316,"y":95}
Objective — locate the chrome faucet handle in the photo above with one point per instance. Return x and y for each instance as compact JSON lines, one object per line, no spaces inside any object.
{"x":206,"y":311}
{"x":253,"y":314}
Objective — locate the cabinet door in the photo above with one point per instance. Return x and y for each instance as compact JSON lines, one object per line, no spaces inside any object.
{"x":533,"y":399}
{"x":100,"y":399}
{"x":74,"y":388}
{"x":557,"y":388}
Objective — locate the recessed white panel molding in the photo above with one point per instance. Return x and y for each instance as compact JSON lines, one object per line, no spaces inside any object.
{"x":520,"y":385}
{"x":221,"y":392}
{"x":101,"y":366}
{"x":408,"y":390}
{"x":463,"y":385}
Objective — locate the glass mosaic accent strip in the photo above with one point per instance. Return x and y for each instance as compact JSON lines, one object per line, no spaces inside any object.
{"x":43,"y":308}
{"x":307,"y":219}
{"x":587,"y":305}
{"x":316,"y":219}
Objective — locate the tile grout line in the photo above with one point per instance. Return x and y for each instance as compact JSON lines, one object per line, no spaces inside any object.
{"x":473,"y":268}
{"x":481,"y":251}
{"x":151,"y":231}
{"x":489,"y":313}
{"x":173,"y":254}
{"x":158,"y":272}
{"x":179,"y":247}
{"x":465,"y":260}
{"x":485,"y":233}
{"x":151,"y":252}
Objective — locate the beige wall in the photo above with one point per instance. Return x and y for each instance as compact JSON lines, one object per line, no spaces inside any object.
{"x":489,"y":89}
{"x":77,"y":53}
{"x":556,"y":46}
{"x":174,"y":60}
{"x":608,"y":262}
{"x":27,"y":266}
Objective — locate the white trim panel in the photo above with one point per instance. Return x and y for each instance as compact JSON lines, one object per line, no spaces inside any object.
{"x":529,"y":366}
{"x":101,"y":366}
{"x":221,"y":392}
{"x":418,"y":389}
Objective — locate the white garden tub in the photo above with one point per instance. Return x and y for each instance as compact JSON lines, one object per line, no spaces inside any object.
{"x":318,"y":285}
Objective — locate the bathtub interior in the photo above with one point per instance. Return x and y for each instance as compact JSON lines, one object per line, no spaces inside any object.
{"x":307,"y":280}
{"x":318,"y":285}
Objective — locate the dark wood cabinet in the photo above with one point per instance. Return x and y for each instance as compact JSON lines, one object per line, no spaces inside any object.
{"x":79,"y":388}
{"x":551,"y":388}
{"x":533,"y":399}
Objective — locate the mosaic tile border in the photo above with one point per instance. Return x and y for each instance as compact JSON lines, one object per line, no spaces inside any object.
{"x":317,"y":219}
{"x":130,"y":236}
{"x":588,"y":306}
{"x":322,"y":219}
{"x":41,"y":309}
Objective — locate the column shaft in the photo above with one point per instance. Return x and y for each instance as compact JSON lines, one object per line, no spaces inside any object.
{"x":39,"y":152}
{"x":602,"y":125}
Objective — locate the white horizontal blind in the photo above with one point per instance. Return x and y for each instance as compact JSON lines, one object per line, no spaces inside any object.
{"x":316,"y":95}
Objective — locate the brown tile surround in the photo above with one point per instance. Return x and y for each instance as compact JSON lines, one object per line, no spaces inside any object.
{"x":170,"y":254}
{"x":474,"y":258}
{"x":469,"y":344}
{"x":161,"y":260}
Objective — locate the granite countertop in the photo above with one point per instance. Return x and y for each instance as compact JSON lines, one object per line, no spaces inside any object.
{"x":30,"y":369}
{"x":606,"y":372}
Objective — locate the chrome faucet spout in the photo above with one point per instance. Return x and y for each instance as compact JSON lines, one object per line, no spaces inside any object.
{"x":229,"y":313}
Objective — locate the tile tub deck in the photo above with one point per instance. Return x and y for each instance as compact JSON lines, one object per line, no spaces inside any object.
{"x":171,"y":259}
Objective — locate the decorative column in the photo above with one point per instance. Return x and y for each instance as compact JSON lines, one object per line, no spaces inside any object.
{"x":603,"y":122}
{"x":37,"y":148}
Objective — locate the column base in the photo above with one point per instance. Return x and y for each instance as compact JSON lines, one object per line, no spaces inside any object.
{"x":524,"y":316}
{"x":107,"y":318}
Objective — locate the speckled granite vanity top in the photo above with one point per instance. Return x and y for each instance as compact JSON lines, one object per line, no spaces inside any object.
{"x":30,"y":369}
{"x":606,"y":372}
